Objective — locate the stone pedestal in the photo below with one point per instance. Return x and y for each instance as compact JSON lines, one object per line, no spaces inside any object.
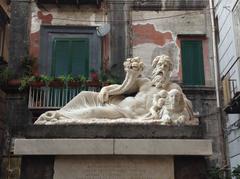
{"x":109,"y":158}
{"x":110,"y":167}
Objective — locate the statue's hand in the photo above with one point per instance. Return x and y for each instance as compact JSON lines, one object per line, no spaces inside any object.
{"x":103,"y":95}
{"x":133,"y":65}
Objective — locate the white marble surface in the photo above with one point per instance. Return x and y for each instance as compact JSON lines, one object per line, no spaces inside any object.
{"x":106,"y":121}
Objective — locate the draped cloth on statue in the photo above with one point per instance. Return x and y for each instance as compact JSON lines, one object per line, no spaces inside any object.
{"x":87,"y":105}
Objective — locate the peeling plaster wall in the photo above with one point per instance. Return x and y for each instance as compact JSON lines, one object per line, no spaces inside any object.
{"x":158,"y":34}
{"x":86,"y":15}
{"x":66,"y":15}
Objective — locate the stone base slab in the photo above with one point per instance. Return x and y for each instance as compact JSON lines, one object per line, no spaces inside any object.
{"x":113,"y":130}
{"x":112,"y":147}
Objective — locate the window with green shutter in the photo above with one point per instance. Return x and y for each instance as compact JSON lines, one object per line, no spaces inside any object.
{"x":192,"y":62}
{"x":70,"y":56}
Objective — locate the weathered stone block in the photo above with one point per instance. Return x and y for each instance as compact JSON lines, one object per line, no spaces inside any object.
{"x":112,"y":147}
{"x":11,"y":167}
{"x":119,"y":167}
{"x":37,"y":167}
{"x":114,"y":130}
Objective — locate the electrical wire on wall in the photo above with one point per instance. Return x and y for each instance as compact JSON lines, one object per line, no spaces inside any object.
{"x":233,"y":127}
{"x":138,"y":20}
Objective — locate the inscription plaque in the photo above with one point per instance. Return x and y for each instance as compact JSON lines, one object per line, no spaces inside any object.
{"x":114,"y":167}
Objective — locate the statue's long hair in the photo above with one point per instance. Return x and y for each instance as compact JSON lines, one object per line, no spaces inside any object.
{"x":162,"y":58}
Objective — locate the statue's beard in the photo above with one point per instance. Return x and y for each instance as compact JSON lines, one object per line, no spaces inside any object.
{"x":160,"y":81}
{"x":160,"y":78}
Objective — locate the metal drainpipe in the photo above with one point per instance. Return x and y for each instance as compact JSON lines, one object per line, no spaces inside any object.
{"x":222,"y":121}
{"x":216,"y":70}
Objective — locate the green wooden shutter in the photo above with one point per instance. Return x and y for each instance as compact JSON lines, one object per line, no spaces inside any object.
{"x":192,"y":62}
{"x":79,"y":58}
{"x":61,"y":57}
{"x":70,"y":56}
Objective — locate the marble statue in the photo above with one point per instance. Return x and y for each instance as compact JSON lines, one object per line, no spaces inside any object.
{"x":174,"y":110}
{"x":158,"y":102}
{"x":137,"y":99}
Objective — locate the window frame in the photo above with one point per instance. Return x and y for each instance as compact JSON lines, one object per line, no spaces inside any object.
{"x":47,"y":35}
{"x":206,"y":67}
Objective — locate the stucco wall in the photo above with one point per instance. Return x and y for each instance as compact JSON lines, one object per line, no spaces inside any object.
{"x":145,"y":38}
{"x":155,"y":33}
{"x":66,"y":15}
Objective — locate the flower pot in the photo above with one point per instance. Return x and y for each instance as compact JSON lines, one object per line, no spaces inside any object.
{"x":14,"y":83}
{"x":94,"y":76}
{"x":56,"y":84}
{"x":74,"y":84}
{"x":95,"y":83}
{"x":37,"y":84}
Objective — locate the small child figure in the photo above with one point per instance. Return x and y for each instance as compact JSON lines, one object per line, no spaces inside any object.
{"x":158,"y":102}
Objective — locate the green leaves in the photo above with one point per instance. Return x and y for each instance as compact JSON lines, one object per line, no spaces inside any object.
{"x":5,"y":75}
{"x":236,"y":172}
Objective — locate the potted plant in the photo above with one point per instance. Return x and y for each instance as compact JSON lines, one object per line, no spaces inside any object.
{"x":77,"y":81}
{"x":107,"y":79}
{"x":5,"y":75}
{"x":27,"y":64}
{"x":25,"y":81}
{"x":94,"y":80}
{"x":236,"y":172}
{"x":7,"y":80}
{"x":56,"y":82}
{"x":42,"y":80}
{"x":46,"y":79}
{"x":66,"y":79}
{"x":94,"y":75}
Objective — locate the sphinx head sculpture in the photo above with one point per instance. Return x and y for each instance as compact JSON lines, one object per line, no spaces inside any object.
{"x":174,"y":110}
{"x":175,"y":101}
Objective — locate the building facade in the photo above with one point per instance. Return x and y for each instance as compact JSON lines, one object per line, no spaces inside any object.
{"x":74,"y":37}
{"x":227,"y":18}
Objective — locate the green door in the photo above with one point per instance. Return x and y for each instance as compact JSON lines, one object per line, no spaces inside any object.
{"x":70,"y":56}
{"x":192,"y":62}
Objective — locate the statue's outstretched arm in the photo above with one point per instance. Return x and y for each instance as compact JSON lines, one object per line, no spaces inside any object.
{"x":133,"y":68}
